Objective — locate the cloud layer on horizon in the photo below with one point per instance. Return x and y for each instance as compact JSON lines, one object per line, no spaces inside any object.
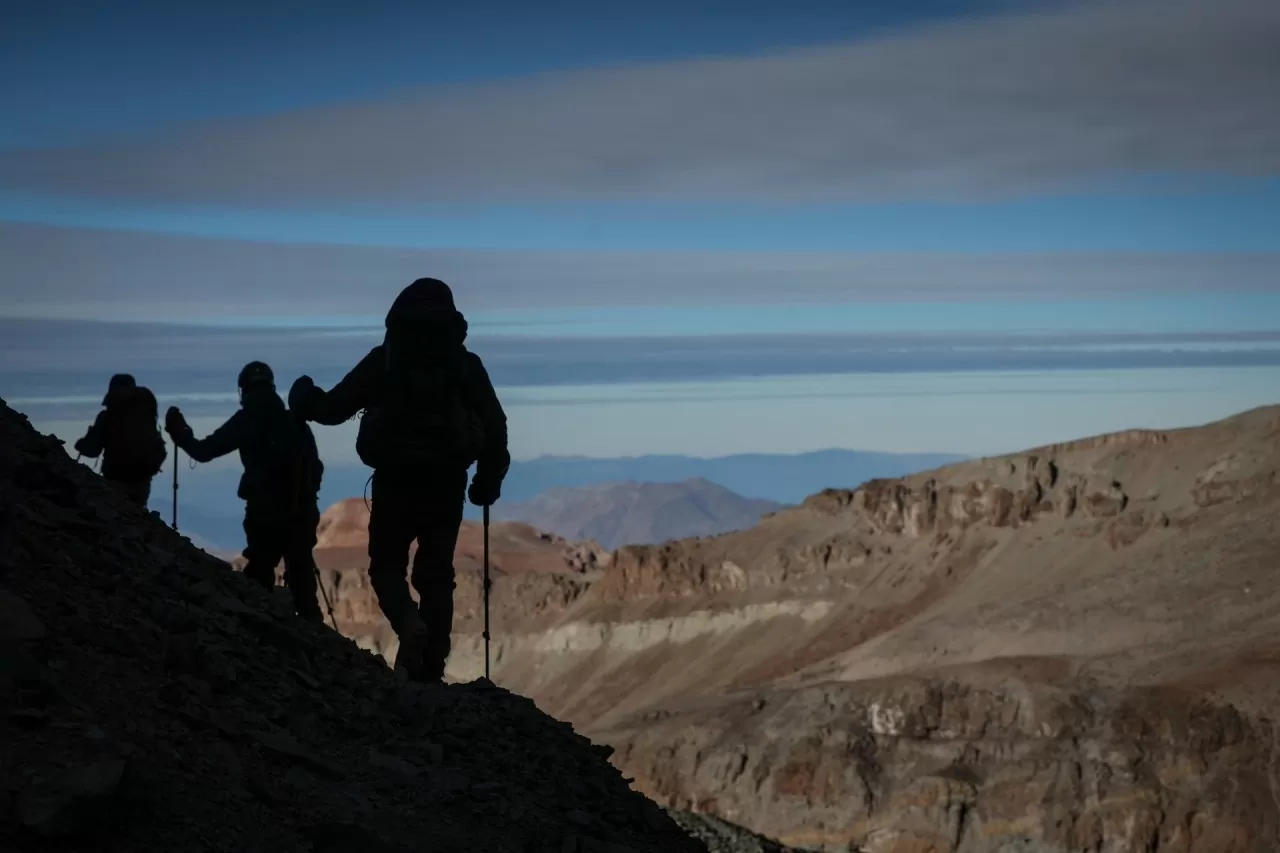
{"x":57,"y":366}
{"x":120,"y":275}
{"x":977,"y":109}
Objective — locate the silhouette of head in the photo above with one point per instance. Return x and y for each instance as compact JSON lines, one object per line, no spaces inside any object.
{"x":256,"y":374}
{"x":120,"y":382}
{"x":426,"y":295}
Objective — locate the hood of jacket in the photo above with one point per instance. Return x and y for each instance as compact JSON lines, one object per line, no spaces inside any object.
{"x":425,"y":336}
{"x":127,"y":396}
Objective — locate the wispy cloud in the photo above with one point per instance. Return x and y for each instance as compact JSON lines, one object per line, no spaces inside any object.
{"x":58,"y":366}
{"x":983,"y":108}
{"x":109,"y":275}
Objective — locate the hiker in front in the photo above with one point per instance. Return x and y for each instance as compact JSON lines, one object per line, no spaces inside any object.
{"x":430,"y":411}
{"x":127,"y":438}
{"x":280,"y":485}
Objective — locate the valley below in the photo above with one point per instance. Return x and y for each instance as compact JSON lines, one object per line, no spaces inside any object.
{"x":1070,"y":648}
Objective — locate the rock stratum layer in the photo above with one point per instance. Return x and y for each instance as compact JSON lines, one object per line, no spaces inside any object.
{"x":154,"y":700}
{"x":1074,"y":648}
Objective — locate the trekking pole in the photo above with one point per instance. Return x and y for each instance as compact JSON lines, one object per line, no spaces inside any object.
{"x":175,"y":485}
{"x":486,"y":593}
{"x":325,"y":596}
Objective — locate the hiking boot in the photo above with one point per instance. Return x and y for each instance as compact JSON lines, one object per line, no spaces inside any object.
{"x":409,"y":657}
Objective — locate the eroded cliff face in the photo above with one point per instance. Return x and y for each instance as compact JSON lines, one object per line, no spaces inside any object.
{"x":1072,"y":648}
{"x":943,"y":765}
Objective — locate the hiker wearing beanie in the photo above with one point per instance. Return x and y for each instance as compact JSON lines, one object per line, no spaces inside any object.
{"x":280,"y":485}
{"x":430,"y":411}
{"x":125,"y":435}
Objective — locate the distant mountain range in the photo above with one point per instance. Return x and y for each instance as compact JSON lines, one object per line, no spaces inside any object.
{"x":631,"y":513}
{"x":786,"y":478}
{"x":208,"y":506}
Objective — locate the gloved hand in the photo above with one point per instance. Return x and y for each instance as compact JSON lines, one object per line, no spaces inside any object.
{"x":484,"y":491}
{"x":79,"y":447}
{"x":174,"y":423}
{"x":300,"y":395}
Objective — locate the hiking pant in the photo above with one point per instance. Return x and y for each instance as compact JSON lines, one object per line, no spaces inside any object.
{"x":427,"y":507}
{"x":271,"y":535}
{"x":138,"y":491}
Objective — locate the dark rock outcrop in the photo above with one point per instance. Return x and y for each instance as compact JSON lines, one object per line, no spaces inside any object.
{"x":152,"y":699}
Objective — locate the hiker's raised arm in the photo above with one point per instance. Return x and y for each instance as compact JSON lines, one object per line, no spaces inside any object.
{"x":225,"y":439}
{"x":340,"y":403}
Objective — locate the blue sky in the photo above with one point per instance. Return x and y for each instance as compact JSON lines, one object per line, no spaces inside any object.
{"x":80,"y":71}
{"x":833,"y":189}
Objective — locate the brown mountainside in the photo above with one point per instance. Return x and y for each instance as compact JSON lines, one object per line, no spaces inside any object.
{"x":1071,"y":648}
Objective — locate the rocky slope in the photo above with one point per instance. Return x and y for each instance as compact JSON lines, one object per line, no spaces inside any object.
{"x":1073,"y":648}
{"x":1070,"y":648}
{"x":154,"y":700}
{"x":720,"y":836}
{"x":634,"y":513}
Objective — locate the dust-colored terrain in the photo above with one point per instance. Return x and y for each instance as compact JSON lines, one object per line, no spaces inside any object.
{"x":1072,"y":648}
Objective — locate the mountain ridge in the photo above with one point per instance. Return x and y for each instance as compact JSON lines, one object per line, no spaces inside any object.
{"x":630,"y":512}
{"x":917,"y":663}
{"x":208,"y":505}
{"x":782,"y":477}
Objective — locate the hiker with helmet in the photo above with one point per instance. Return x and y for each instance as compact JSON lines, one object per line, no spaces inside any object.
{"x":430,"y":411}
{"x":125,"y":435}
{"x":280,"y":485}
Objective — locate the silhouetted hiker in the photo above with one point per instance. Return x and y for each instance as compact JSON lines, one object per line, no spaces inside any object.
{"x":127,"y":438}
{"x":430,"y":411}
{"x":280,"y":485}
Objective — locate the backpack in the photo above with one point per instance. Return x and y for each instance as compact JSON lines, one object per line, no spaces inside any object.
{"x":422,"y":418}
{"x":286,"y":465}
{"x":133,"y":441}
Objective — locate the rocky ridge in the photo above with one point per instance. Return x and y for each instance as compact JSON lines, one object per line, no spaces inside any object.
{"x":154,"y":700}
{"x":1069,"y":648}
{"x":1072,"y":648}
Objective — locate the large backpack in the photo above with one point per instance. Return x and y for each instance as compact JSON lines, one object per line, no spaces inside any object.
{"x":133,"y":446}
{"x":422,"y":418}
{"x":288,"y":468}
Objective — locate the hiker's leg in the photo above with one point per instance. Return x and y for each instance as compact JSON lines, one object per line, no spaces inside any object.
{"x":391,"y":530}
{"x":138,"y":492}
{"x":433,"y":571}
{"x":264,"y":545}
{"x":135,"y":492}
{"x":300,"y":565}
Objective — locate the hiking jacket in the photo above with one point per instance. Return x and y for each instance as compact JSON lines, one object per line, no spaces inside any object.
{"x":362,"y":389}
{"x":94,"y":442}
{"x":248,"y":431}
